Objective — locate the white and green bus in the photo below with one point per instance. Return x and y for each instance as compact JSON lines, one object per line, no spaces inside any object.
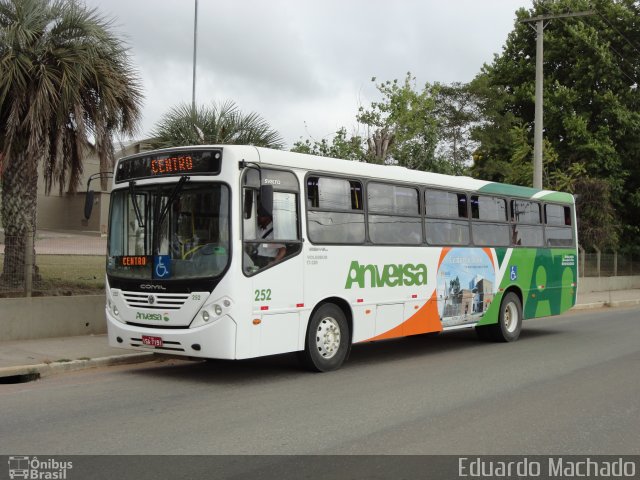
{"x":233,"y":252}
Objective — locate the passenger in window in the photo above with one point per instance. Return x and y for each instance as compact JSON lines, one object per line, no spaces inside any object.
{"x":514,"y":236}
{"x":267,"y":253}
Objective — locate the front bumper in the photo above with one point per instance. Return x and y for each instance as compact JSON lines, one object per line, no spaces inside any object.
{"x":215,"y":340}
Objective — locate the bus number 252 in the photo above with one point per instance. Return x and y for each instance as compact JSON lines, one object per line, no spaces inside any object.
{"x":263,"y":295}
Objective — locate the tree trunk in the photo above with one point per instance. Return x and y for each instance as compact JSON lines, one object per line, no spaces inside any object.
{"x":18,"y":208}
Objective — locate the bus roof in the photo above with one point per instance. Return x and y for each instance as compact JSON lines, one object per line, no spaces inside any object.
{"x":293,"y":160}
{"x":403,"y":174}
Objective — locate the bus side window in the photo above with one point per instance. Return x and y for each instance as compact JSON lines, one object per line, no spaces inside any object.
{"x":336,"y":210}
{"x":271,"y":237}
{"x":313,"y":197}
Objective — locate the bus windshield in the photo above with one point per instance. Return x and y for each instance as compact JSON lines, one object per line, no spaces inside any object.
{"x":169,"y":231}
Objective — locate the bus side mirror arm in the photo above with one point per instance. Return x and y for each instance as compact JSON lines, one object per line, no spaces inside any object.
{"x":88,"y":199}
{"x":266,"y":191}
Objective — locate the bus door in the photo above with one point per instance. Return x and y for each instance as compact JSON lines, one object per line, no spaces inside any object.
{"x":271,"y":260}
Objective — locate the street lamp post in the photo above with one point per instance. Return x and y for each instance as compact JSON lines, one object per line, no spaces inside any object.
{"x":195,"y":46}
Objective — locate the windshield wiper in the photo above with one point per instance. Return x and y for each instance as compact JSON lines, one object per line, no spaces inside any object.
{"x":165,"y":210}
{"x":132,"y":194}
{"x":172,"y":198}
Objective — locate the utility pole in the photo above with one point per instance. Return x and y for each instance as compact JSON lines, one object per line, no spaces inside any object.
{"x":538,"y":122}
{"x":195,"y":44}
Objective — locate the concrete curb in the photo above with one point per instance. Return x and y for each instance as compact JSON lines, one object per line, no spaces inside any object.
{"x":46,"y":369}
{"x":603,"y":304}
{"x":624,"y":303}
{"x":53,"y":368}
{"x":589,"y":306}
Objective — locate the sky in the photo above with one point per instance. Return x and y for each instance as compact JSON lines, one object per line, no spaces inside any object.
{"x":304,"y":65}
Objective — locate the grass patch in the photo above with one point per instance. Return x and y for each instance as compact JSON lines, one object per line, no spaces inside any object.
{"x":66,"y":275}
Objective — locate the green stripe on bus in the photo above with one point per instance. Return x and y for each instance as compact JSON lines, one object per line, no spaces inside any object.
{"x":509,"y":190}
{"x":500,"y":253}
{"x":557,"y":197}
{"x":546,"y":278}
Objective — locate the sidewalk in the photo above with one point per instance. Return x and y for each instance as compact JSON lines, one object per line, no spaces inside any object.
{"x":48,"y":356}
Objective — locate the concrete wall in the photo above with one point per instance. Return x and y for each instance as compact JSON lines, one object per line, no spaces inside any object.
{"x":605,"y":284}
{"x":67,"y":212}
{"x":44,"y":317}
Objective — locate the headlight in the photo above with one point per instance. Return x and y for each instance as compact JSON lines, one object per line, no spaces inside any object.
{"x":211,"y":312}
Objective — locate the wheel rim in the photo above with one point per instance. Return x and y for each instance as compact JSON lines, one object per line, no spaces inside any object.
{"x":328,"y":337}
{"x":510,"y":316}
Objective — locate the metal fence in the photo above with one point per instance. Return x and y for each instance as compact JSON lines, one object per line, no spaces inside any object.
{"x":63,"y":264}
{"x":608,"y":265}
{"x":74,"y":264}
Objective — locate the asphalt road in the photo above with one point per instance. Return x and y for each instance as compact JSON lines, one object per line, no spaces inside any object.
{"x":570,"y":385}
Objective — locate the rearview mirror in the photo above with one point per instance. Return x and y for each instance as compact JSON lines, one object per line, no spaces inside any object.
{"x":266,"y":200}
{"x":88,"y":204}
{"x":248,"y":203}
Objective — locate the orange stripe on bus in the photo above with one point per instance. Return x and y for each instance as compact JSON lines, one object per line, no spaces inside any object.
{"x":425,"y":320}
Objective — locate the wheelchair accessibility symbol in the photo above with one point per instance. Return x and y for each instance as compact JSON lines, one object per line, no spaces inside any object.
{"x":514,"y":273}
{"x":161,"y":266}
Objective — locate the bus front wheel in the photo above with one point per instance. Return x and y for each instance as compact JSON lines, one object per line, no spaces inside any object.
{"x":509,"y":321}
{"x":327,"y":341}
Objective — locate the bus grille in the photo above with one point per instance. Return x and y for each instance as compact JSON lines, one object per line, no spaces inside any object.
{"x":158,"y":301}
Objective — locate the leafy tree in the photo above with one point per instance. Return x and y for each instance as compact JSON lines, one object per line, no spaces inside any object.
{"x":402,"y":126}
{"x":215,"y":124}
{"x":421,"y":129}
{"x":457,"y":112}
{"x":65,"y":78}
{"x":596,"y":216}
{"x":341,"y":146}
{"x":591,"y":103}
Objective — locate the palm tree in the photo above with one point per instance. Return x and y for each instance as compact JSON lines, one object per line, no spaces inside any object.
{"x":65,"y":79}
{"x":219,"y":123}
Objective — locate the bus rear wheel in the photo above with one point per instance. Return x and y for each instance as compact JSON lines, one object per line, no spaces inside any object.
{"x":509,"y":321}
{"x":327,"y":341}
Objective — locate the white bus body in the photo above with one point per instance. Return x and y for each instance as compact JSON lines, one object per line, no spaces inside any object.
{"x":158,"y":300}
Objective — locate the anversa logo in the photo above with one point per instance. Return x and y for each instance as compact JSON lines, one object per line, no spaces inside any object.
{"x":152,"y":316}
{"x":393,"y":275}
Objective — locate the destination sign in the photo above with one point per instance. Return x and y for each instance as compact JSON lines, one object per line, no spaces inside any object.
{"x":202,"y":162}
{"x":134,"y":261}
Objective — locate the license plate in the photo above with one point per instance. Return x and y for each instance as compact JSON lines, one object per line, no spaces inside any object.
{"x":152,"y":341}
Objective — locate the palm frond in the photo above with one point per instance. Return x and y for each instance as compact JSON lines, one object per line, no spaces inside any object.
{"x":64,"y":78}
{"x":220,"y":123}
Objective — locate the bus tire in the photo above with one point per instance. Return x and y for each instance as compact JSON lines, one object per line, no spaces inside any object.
{"x":509,"y":321}
{"x":327,"y":341}
{"x":510,"y":318}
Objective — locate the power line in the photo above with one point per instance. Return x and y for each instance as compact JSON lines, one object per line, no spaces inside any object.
{"x":619,"y":32}
{"x":612,"y":49}
{"x":538,"y":120}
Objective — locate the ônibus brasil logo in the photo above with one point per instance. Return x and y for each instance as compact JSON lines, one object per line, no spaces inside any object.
{"x":392,"y":275}
{"x":32,"y":468}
